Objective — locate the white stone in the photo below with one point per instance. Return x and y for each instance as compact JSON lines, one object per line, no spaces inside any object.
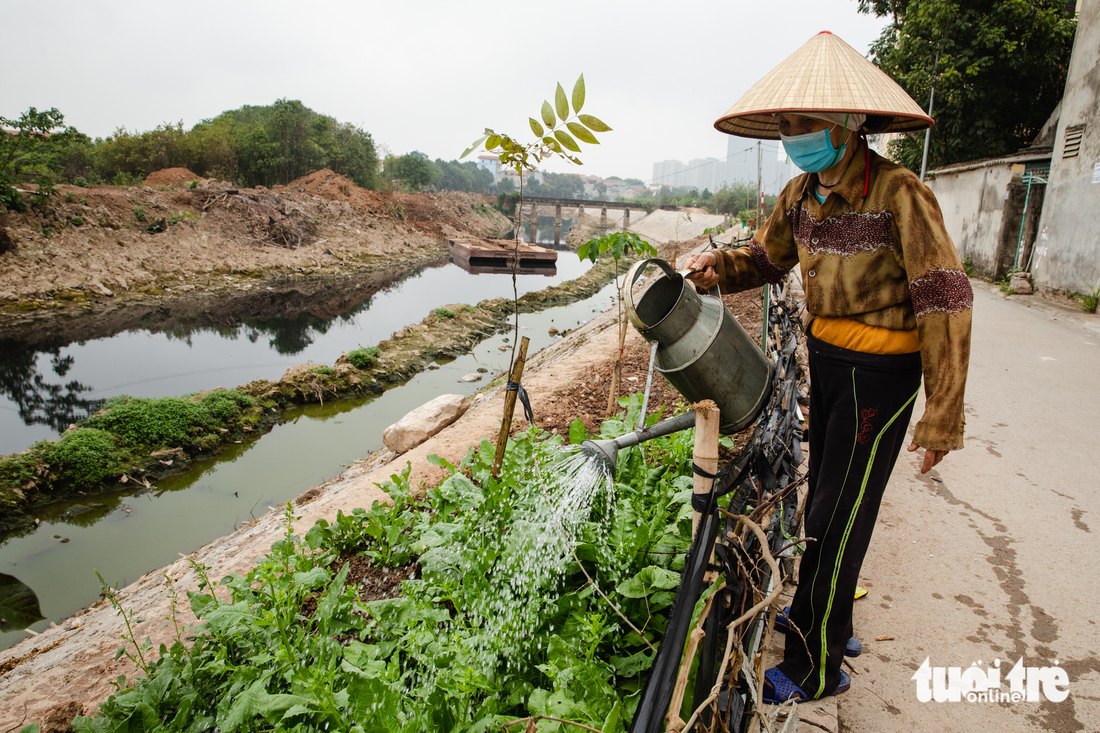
{"x":424,"y":422}
{"x":472,"y":377}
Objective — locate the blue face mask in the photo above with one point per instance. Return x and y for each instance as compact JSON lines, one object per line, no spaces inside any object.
{"x":813,"y":152}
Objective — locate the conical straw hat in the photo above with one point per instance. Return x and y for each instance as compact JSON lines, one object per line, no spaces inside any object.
{"x":826,"y":75}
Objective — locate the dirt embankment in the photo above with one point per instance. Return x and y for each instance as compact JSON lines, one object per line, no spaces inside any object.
{"x":87,"y":248}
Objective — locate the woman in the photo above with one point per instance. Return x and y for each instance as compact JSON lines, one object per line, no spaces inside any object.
{"x":888,"y":303}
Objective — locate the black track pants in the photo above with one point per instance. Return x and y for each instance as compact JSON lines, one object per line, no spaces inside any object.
{"x":860,"y":406}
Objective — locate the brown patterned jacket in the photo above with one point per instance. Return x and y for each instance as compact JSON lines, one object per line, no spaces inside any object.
{"x":883,"y":259}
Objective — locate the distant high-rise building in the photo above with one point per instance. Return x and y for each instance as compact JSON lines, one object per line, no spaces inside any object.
{"x":775,"y":169}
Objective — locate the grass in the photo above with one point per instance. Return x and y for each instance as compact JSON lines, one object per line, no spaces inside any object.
{"x":363,"y":357}
{"x":139,"y":213}
{"x":968,"y":267}
{"x":86,"y":456}
{"x":322,"y":370}
{"x":444,"y":312}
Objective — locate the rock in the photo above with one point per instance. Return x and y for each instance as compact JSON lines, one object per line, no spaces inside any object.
{"x":472,"y":377}
{"x":1021,"y":283}
{"x":424,"y":422}
{"x":553,"y":331}
{"x":482,"y":370}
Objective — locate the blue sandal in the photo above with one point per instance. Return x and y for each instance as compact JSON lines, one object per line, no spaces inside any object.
{"x":852,"y":649}
{"x":782,"y":688}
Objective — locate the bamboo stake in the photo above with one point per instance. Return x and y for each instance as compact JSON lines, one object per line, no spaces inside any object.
{"x":705,"y":454}
{"x":509,"y":406}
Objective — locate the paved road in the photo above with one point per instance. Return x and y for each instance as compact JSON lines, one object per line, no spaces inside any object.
{"x":995,"y":554}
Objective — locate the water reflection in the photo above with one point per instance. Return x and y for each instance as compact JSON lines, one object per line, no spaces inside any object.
{"x":38,"y":401}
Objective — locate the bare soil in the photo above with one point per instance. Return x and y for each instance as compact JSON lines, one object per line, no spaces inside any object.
{"x":170,"y":176}
{"x":586,"y":398}
{"x":90,"y":248}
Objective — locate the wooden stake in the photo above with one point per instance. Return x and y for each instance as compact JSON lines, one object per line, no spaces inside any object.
{"x":705,"y":454}
{"x":510,"y":406}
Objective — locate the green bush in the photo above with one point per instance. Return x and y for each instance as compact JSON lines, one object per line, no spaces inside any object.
{"x":444,"y":312}
{"x":80,"y":181}
{"x":139,"y":213}
{"x":86,"y":456}
{"x":141,"y":421}
{"x":77,"y":221}
{"x":363,"y":357}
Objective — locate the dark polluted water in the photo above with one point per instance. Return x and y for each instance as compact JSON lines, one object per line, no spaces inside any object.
{"x":125,"y":535}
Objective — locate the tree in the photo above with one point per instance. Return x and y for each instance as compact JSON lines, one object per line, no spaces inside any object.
{"x":28,"y":153}
{"x":998,"y":67}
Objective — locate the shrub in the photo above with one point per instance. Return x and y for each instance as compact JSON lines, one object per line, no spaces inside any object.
{"x":363,"y":357}
{"x":193,"y":184}
{"x":140,"y":421}
{"x":77,"y":221}
{"x":80,"y":181}
{"x":139,"y":213}
{"x":444,"y":312}
{"x":226,"y":404}
{"x":86,"y":456}
{"x":70,"y":197}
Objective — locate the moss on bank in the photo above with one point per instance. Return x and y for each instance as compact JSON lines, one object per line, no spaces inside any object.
{"x":145,"y":439}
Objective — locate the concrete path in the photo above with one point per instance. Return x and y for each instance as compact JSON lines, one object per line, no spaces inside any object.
{"x":995,"y":554}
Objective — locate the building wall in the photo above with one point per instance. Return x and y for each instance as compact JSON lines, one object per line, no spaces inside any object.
{"x":972,"y":203}
{"x":1067,"y":250}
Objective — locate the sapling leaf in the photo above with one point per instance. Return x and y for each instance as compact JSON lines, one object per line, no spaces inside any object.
{"x":564,"y":138}
{"x":578,"y":94}
{"x":548,"y":115}
{"x":561,"y":102}
{"x":536,"y":127}
{"x":492,"y":142}
{"x":593,"y":123}
{"x":582,"y":133}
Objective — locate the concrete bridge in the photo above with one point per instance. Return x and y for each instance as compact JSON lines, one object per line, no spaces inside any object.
{"x":531,"y":206}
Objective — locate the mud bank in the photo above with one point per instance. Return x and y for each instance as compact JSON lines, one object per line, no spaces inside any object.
{"x":88,"y":248}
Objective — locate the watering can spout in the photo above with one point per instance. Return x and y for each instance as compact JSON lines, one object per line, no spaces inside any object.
{"x":605,"y":453}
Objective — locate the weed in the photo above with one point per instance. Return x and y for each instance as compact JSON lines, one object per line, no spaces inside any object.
{"x":469,"y":309}
{"x":968,"y":267}
{"x":1089,"y":299}
{"x":157,"y":226}
{"x":140,"y":650}
{"x":46,"y":231}
{"x":139,"y":213}
{"x":80,"y":181}
{"x":76,"y":221}
{"x":193,"y":184}
{"x":83,"y":202}
{"x":1005,"y":284}
{"x":444,"y":313}
{"x":70,"y":197}
{"x":141,"y":421}
{"x":175,"y":218}
{"x":322,"y":370}
{"x":86,"y":456}
{"x":261,"y":662}
{"x":363,"y":357}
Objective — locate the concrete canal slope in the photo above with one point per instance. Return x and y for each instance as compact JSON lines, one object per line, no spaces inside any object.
{"x":76,"y":660}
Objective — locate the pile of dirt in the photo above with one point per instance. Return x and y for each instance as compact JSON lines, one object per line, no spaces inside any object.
{"x":439,"y":215}
{"x":587,"y":399}
{"x":170,"y":176}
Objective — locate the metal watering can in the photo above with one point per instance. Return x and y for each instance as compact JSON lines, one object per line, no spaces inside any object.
{"x":702,"y":350}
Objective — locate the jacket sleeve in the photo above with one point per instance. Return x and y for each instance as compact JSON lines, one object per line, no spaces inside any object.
{"x":767,"y":259}
{"x":942,"y":303}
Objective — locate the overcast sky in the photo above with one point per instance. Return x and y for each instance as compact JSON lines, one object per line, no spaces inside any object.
{"x":425,"y":76}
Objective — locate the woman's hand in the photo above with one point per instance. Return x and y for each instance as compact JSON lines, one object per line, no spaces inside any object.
{"x":703,"y":275}
{"x":931,"y":457}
